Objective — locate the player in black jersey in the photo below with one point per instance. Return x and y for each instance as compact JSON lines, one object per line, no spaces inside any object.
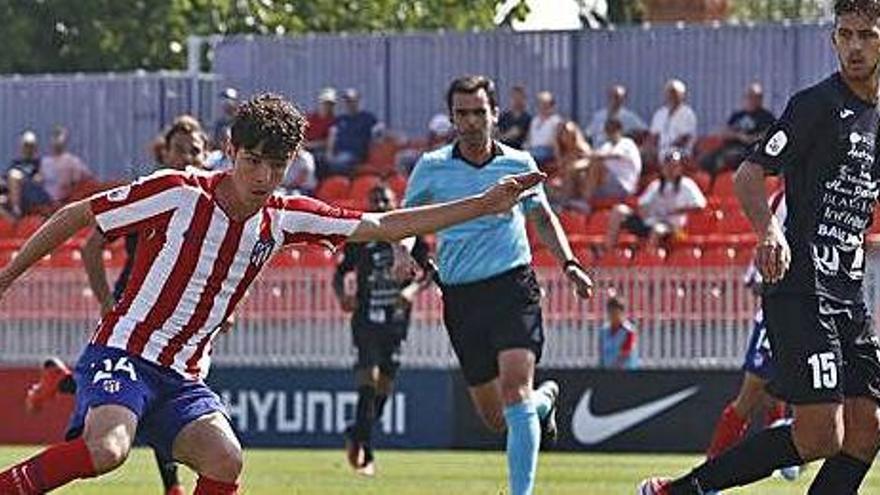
{"x":380,"y":310}
{"x":826,"y":352}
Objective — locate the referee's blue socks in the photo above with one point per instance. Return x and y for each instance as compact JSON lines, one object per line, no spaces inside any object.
{"x":523,"y":441}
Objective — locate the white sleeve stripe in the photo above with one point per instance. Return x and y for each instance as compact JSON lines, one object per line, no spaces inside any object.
{"x":293,"y":222}
{"x":137,"y":211}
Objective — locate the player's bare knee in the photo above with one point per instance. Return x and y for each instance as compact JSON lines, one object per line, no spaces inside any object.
{"x":108,"y":452}
{"x":227,"y":465}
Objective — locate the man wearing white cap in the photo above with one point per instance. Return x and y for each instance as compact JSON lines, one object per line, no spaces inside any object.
{"x":674,"y":125}
{"x":23,"y":178}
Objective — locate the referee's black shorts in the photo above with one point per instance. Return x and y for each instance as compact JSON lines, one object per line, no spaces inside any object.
{"x":488,"y":316}
{"x":824,"y":351}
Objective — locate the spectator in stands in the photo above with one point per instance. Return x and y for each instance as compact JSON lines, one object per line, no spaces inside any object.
{"x":614,"y":168}
{"x":62,"y":170}
{"x":320,"y":122}
{"x":617,"y":338}
{"x":632,"y":123}
{"x":350,"y":136}
{"x":301,"y":177}
{"x":674,"y":124}
{"x":218,"y":159}
{"x":744,"y":127}
{"x":229,"y":105}
{"x":662,"y":208}
{"x":572,"y":154}
{"x":543,"y":129}
{"x":440,"y":133}
{"x":513,"y":124}
{"x":23,"y":179}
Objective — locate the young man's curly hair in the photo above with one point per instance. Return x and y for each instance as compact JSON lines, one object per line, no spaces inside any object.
{"x":270,"y":121}
{"x":867,"y":8}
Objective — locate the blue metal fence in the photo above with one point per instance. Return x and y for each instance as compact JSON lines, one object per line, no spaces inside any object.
{"x":111,"y":117}
{"x":403,"y":77}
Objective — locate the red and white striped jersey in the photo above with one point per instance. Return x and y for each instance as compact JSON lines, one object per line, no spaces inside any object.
{"x":193,"y":263}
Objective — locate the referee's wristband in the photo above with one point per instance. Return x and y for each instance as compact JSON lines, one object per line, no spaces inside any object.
{"x":572,"y":262}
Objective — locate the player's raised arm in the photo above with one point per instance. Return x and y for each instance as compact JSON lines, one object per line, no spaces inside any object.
{"x":60,"y":227}
{"x":398,"y":224}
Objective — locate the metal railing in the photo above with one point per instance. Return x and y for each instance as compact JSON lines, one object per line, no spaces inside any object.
{"x":694,"y":317}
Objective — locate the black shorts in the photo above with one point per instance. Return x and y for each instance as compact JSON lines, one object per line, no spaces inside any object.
{"x":377,"y":345}
{"x":824,"y":351}
{"x":636,"y":225}
{"x":492,"y":315}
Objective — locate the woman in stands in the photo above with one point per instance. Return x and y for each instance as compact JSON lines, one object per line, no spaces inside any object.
{"x":663,"y":207}
{"x":572,"y":158}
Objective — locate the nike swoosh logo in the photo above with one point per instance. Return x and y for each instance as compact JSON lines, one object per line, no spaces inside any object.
{"x":591,"y":429}
{"x":846,"y":112}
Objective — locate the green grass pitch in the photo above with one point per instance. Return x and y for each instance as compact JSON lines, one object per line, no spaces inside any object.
{"x":324,"y":472}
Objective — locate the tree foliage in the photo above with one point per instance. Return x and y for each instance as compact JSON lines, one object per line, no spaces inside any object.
{"x":117,"y":35}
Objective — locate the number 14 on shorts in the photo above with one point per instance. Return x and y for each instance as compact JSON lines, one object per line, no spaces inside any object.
{"x":824,"y":370}
{"x":121,"y":365}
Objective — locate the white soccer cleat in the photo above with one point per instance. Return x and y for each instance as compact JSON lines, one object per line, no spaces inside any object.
{"x":654,"y":486}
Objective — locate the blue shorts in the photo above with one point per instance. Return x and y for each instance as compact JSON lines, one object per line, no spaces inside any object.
{"x":759,"y":358}
{"x":163,"y":401}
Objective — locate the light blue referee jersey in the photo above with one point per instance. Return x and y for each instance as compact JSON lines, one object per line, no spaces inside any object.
{"x":486,"y":246}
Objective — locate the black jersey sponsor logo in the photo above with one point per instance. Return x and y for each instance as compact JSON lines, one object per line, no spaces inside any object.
{"x":776,"y":144}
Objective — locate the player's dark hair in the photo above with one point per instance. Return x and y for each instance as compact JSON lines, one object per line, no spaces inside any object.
{"x":184,"y":124}
{"x":471,"y":84}
{"x":271,"y":121}
{"x":866,"y":8}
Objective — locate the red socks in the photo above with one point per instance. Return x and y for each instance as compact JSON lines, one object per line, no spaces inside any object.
{"x":207,"y":486}
{"x":56,"y":466}
{"x":775,"y":413}
{"x":729,"y":431}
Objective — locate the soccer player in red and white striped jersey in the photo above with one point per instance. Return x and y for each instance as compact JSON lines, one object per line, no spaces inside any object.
{"x":210,"y":234}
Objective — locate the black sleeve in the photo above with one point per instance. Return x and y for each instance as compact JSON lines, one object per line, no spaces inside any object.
{"x":421,"y":254}
{"x":790,"y":138}
{"x":733,"y":118}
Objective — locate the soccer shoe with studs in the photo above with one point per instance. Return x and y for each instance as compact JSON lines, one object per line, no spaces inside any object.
{"x":654,"y":486}
{"x":549,"y":428}
{"x":53,"y":372}
{"x":354,"y":449}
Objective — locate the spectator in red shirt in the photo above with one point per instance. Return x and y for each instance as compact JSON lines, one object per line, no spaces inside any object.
{"x":320,"y":121}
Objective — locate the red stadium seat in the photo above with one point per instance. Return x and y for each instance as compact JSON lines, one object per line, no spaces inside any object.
{"x":7,"y":228}
{"x":703,"y":222}
{"x":26,"y":226}
{"x":397,"y":183}
{"x":703,"y":180}
{"x":650,"y":256}
{"x":333,"y":188}
{"x":361,"y":187}
{"x":707,"y":144}
{"x":615,"y":257}
{"x":723,"y":185}
{"x":573,"y":222}
{"x":733,"y":222}
{"x":543,"y":257}
{"x":597,"y":223}
{"x":381,"y":157}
